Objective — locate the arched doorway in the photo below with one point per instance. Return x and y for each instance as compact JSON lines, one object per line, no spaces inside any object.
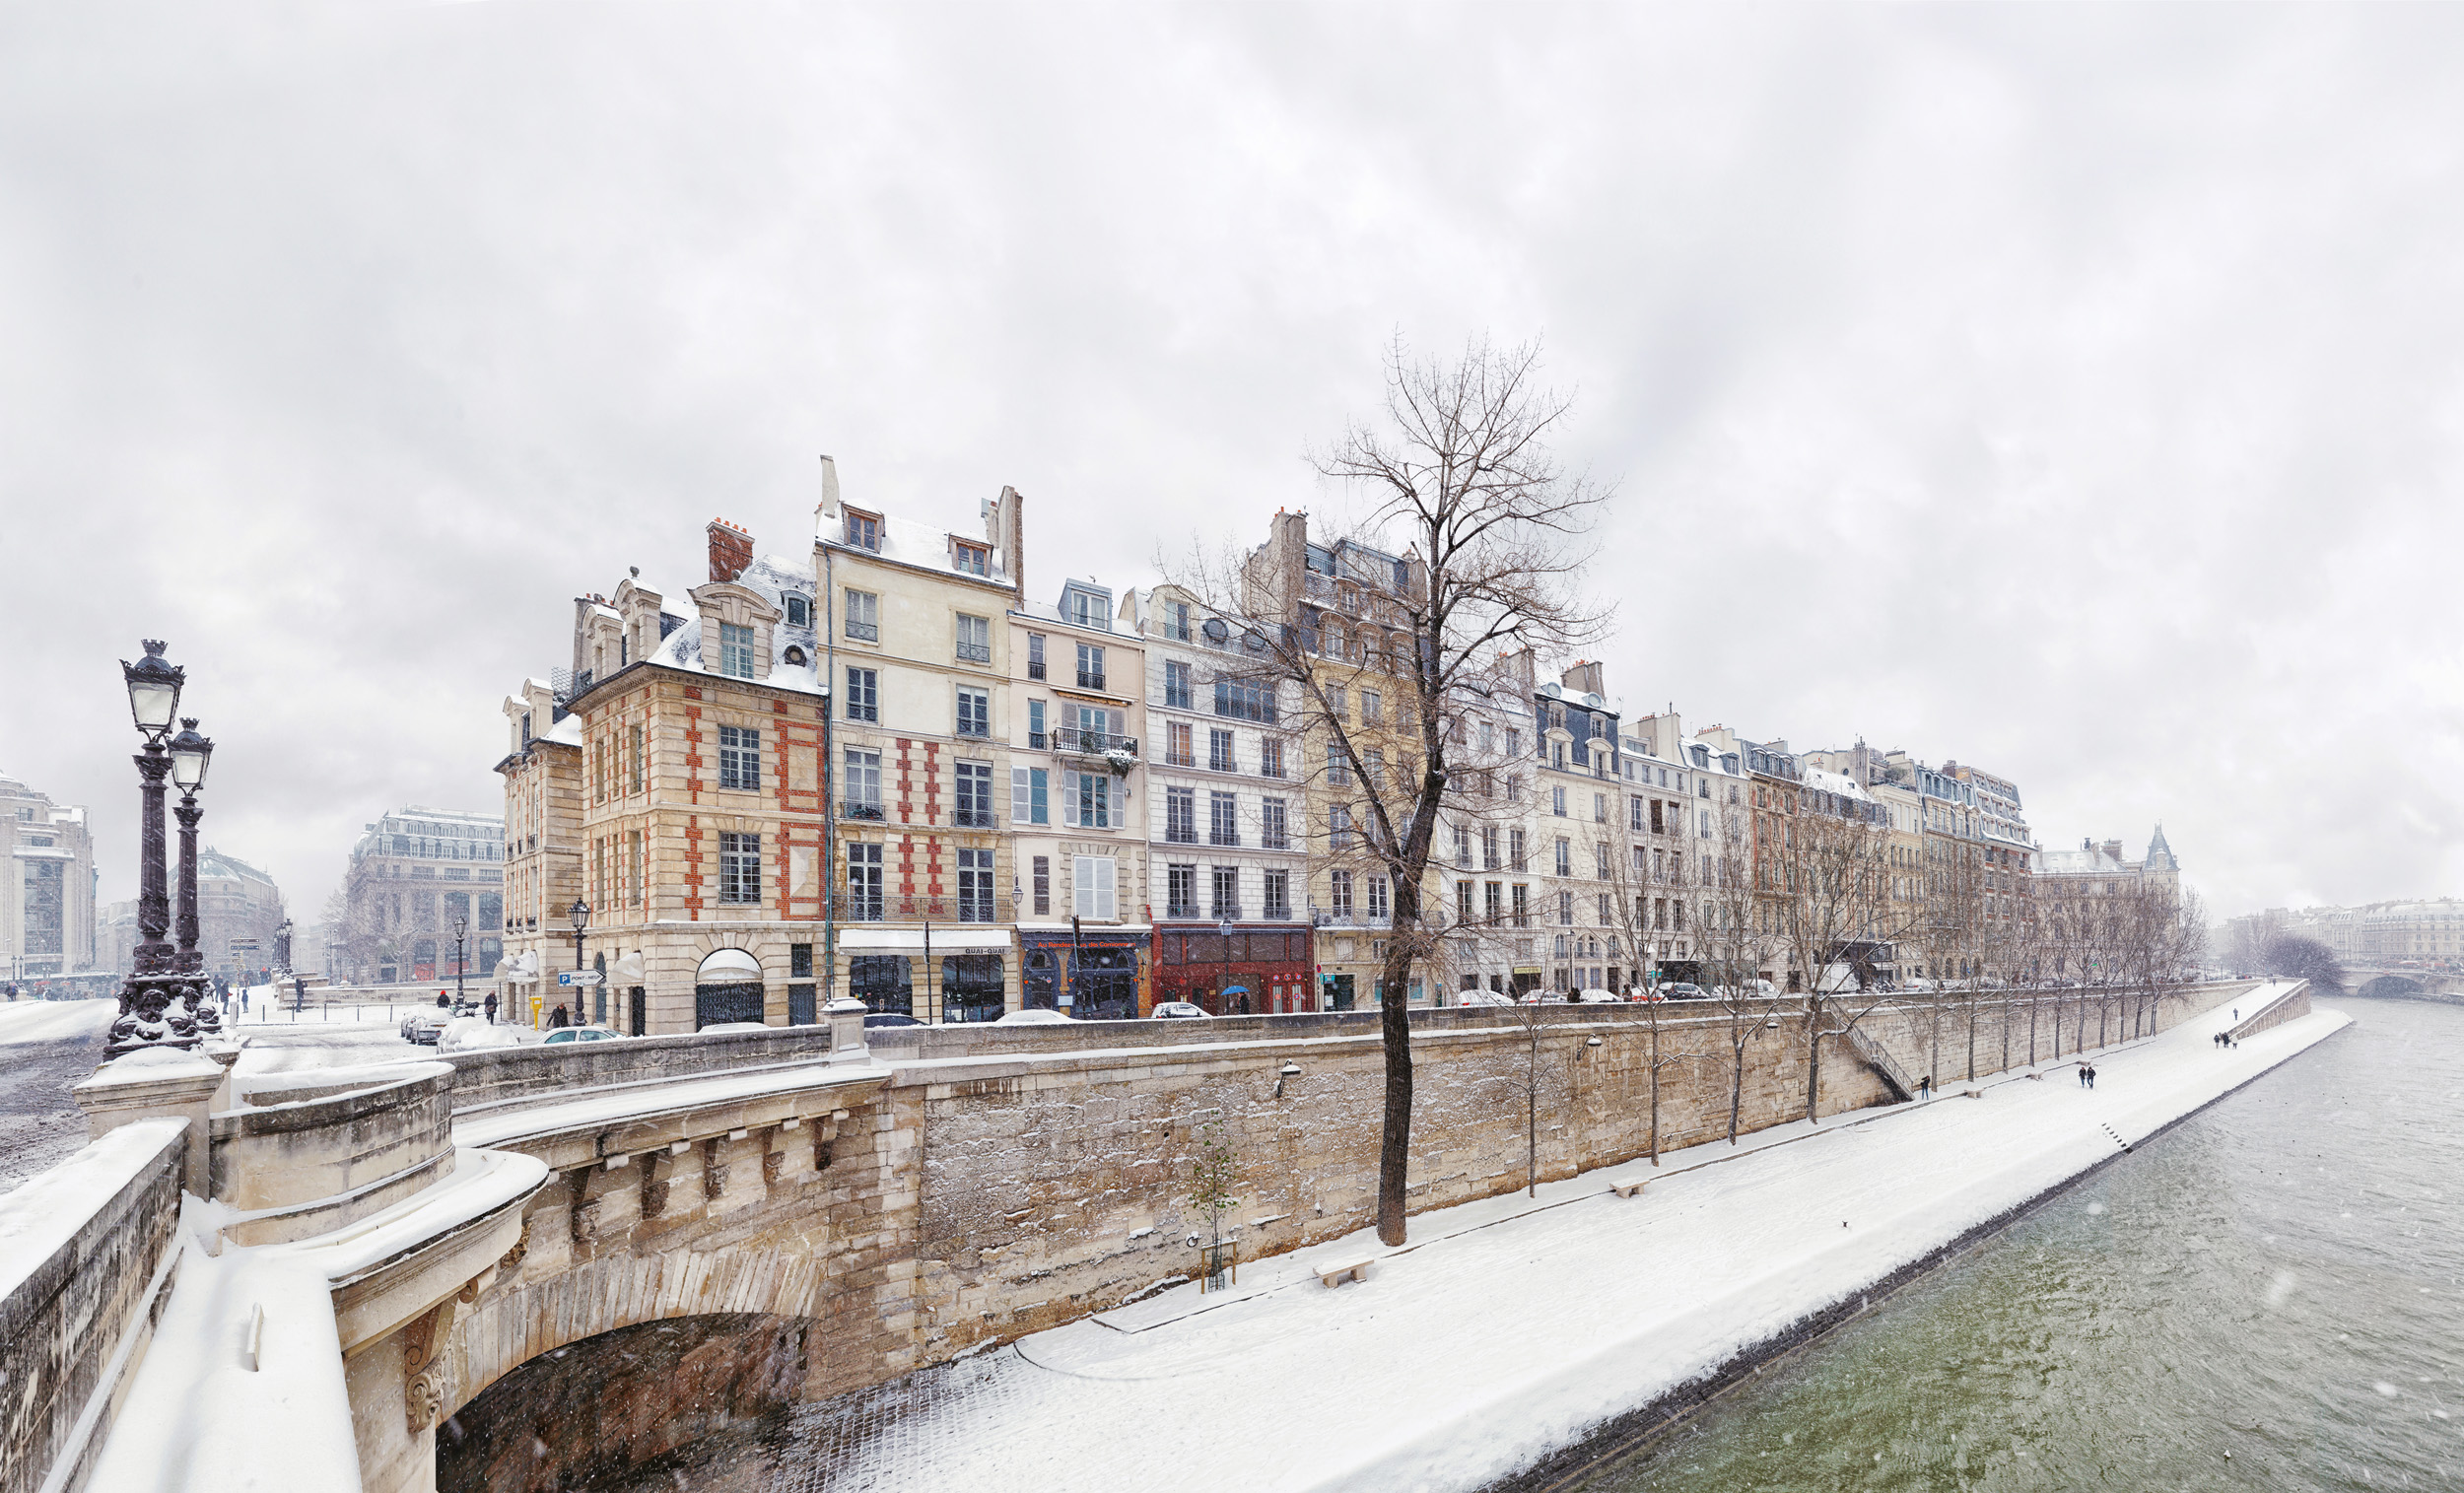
{"x":726,"y":988}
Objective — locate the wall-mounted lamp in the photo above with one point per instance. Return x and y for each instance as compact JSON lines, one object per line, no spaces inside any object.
{"x":1288,"y":1071}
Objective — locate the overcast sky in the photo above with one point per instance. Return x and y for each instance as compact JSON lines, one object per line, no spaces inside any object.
{"x":2072,"y":392}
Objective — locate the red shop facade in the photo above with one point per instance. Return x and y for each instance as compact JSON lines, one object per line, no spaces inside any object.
{"x":1251,"y":970}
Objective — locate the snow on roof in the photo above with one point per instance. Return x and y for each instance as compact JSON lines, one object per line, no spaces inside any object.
{"x":565,"y":732}
{"x":776,"y":578}
{"x":919,"y":544}
{"x":1828,"y":781}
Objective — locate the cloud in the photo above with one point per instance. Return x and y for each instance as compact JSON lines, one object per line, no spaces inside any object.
{"x":2072,"y":392}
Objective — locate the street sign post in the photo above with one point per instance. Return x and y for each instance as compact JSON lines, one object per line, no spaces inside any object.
{"x":578,"y":976}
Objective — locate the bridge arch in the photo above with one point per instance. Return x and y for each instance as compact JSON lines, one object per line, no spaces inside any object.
{"x":616,"y":1409}
{"x":2393,"y":987}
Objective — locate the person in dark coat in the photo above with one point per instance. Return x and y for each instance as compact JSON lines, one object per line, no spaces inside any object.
{"x":490,"y":1005}
{"x":2083,"y":1075}
{"x":2091,"y":1075}
{"x":557,"y":1018}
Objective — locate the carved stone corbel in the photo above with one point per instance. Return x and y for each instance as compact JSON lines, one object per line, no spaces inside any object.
{"x":422,"y":1372}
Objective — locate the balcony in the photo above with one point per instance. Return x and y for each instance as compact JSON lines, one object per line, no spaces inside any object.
{"x":864,"y":631}
{"x":1226,"y":912}
{"x":1084,"y":743}
{"x":871,"y":811}
{"x":975,"y":652}
{"x":1178,"y":911}
{"x":1230,"y":837}
{"x":1090,"y":679}
{"x":971,"y":819}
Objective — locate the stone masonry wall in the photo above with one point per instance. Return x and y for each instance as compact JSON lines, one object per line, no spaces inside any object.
{"x":1056,"y":1186}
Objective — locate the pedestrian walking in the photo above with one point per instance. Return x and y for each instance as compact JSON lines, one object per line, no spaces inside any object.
{"x":1925,"y":1087}
{"x":442,"y":1001}
{"x":2091,"y":1075}
{"x":2083,"y":1075}
{"x":557,"y":1018}
{"x":489,"y":1003}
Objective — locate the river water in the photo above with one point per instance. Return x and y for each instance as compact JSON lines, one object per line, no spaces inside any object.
{"x":2268,"y":1297}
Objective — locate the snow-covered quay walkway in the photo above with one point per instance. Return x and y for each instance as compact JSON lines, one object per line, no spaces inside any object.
{"x":1512,"y":1328}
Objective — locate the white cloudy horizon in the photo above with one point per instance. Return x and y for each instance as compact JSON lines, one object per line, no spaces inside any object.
{"x":2073,"y":392}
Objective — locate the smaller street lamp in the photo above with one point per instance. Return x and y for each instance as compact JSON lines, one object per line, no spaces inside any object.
{"x":580,"y":913}
{"x":192,"y":754}
{"x":461,"y":927}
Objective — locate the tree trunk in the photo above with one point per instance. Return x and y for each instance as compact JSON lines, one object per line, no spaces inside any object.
{"x":1655,"y":1091}
{"x":1736,"y":1086}
{"x":1531,"y":1113}
{"x":1814,"y":1065}
{"x":1394,"y":1143}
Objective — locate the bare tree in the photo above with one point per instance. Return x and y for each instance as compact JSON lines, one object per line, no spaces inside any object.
{"x":1649,"y":902}
{"x":1735,"y":942}
{"x":1832,"y":872}
{"x":1458,"y":471}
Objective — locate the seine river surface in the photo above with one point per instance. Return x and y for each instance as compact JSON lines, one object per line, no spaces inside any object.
{"x":2270,"y":1296}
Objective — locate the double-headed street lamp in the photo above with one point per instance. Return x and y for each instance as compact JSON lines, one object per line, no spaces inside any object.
{"x":461,"y":925}
{"x":162,"y":1004}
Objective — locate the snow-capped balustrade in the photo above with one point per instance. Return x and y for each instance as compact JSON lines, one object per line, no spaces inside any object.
{"x":87,"y":1256}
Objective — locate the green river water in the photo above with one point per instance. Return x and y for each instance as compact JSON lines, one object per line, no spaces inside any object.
{"x":2268,"y":1297}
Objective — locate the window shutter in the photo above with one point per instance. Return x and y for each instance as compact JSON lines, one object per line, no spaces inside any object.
{"x":1082,"y":885}
{"x":1070,"y":802}
{"x":1104,"y":888}
{"x":1021,"y":796}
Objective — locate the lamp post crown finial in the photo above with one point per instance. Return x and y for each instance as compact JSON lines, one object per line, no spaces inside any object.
{"x":153,"y":647}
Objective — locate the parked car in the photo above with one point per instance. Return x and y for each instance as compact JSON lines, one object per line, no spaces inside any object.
{"x":420,"y":1027}
{"x":891,"y":1019}
{"x":1031,"y":1016}
{"x":1483,"y":998}
{"x":1684,"y":991}
{"x":1598,"y":997}
{"x":474,"y":1034}
{"x":1178,"y":1010}
{"x":565,"y":1036}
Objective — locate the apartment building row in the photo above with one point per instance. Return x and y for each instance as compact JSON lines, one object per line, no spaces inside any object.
{"x":883,"y":767}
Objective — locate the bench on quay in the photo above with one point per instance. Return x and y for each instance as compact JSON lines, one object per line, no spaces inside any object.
{"x":1335,"y":1276}
{"x":1628,"y":1188}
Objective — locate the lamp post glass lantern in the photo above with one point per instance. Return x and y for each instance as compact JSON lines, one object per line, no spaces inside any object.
{"x":163,"y":1002}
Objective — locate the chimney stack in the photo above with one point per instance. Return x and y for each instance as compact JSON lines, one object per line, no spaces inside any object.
{"x":730,"y":550}
{"x":2113,"y":848}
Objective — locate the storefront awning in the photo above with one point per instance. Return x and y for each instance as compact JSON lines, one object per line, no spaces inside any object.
{"x":950,"y":940}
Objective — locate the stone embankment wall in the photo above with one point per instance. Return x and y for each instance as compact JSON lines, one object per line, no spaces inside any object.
{"x":1054,"y":1183}
{"x":87,"y":1251}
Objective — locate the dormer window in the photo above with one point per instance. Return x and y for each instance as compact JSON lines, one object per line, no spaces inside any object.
{"x":969,"y":559}
{"x":1087,"y":608}
{"x":863,"y":531}
{"x":735,"y":650}
{"x":799,"y":612}
{"x":1177,"y":621}
{"x":794,"y":655}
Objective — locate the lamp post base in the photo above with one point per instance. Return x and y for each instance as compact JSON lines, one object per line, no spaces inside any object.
{"x":161,"y":1010}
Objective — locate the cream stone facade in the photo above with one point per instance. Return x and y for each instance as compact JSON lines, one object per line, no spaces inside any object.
{"x":1075,"y":806}
{"x":46,"y":886}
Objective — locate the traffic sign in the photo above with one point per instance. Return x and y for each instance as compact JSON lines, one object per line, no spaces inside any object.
{"x":576,"y":977}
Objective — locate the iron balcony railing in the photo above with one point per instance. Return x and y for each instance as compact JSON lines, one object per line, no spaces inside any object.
{"x":975,"y":652}
{"x":1090,"y":679}
{"x":971,"y":819}
{"x":866,"y":631}
{"x":859,"y":811}
{"x":1086,"y":743}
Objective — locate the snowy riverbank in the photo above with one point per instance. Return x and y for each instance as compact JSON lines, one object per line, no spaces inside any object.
{"x":1511,"y":1328}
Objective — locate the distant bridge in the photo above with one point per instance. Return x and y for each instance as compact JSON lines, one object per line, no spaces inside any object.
{"x":2403,"y":985}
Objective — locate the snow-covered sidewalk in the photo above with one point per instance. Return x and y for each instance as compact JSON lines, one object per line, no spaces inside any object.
{"x":53,"y":1020}
{"x":1510,"y":1327}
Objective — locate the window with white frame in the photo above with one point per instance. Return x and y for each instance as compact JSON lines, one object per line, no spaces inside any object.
{"x":735,"y":650}
{"x":975,"y":713}
{"x":1377,"y":897}
{"x":1224,"y":822}
{"x":1177,"y":685}
{"x":739,"y":758}
{"x":1273,"y":831}
{"x":863,"y":695}
{"x":864,"y":883}
{"x":1224,"y":900}
{"x":1029,"y":795}
{"x":1279,"y":896}
{"x":1181,"y":816}
{"x":860,"y":785}
{"x":1181,"y":891}
{"x":863,"y":616}
{"x":1340,"y":893}
{"x":1219,"y":755}
{"x":740,"y":867}
{"x":974,"y":639}
{"x":1086,"y":801}
{"x":973,"y":809}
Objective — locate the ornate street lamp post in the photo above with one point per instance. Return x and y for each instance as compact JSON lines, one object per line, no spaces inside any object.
{"x":461,"y":925}
{"x":163,"y":1003}
{"x":580,"y":912}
